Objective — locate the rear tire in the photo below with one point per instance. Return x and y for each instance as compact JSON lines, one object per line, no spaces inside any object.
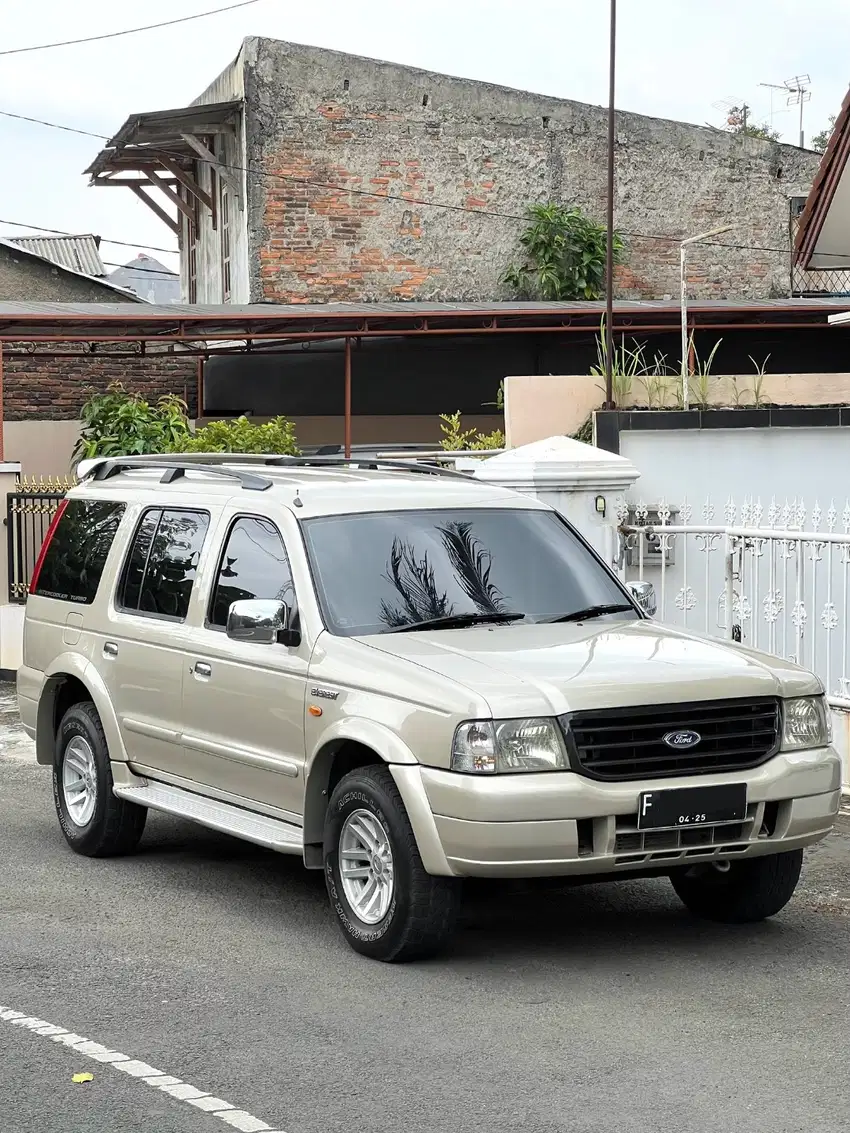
{"x":387,"y":906}
{"x":94,"y":821}
{"x":748,"y":891}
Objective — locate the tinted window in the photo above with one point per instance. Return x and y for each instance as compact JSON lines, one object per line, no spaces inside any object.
{"x":163,"y":561}
{"x":381,"y":571}
{"x":76,"y":555}
{"x":253,"y":565}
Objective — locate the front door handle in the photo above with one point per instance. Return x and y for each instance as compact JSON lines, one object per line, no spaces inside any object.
{"x":202,"y":669}
{"x":110,"y":649}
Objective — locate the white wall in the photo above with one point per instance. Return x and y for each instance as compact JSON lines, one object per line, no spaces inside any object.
{"x":798,"y":464}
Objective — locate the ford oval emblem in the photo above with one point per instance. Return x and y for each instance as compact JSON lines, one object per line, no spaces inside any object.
{"x":682,"y":741}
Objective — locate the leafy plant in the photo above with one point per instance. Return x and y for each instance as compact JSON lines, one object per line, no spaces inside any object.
{"x":565,"y":255}
{"x":736,"y":123}
{"x":121,"y":423}
{"x":630,"y":364}
{"x":242,"y":435}
{"x":758,"y":381}
{"x":457,"y":439}
{"x":820,"y":141}
{"x":700,"y":382}
{"x":499,"y":403}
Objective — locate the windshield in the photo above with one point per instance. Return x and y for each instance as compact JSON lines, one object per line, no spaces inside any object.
{"x":380,"y":571}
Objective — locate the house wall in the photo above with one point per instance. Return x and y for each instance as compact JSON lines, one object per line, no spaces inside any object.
{"x":26,"y":278}
{"x":319,"y":118}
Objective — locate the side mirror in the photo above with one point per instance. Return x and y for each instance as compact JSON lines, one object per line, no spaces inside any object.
{"x":644,"y":594}
{"x":262,"y":621}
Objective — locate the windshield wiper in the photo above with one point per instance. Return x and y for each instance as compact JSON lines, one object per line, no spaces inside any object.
{"x":592,"y":612}
{"x":458,"y":621}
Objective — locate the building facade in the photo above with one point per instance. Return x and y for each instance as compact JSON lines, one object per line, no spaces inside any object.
{"x":307,"y":175}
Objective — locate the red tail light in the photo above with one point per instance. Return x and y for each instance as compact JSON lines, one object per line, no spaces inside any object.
{"x":51,"y":531}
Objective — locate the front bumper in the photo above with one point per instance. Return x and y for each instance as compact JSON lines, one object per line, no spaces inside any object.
{"x":553,"y":824}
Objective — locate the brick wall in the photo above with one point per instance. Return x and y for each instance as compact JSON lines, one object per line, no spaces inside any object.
{"x":37,"y":386}
{"x":317,"y":119}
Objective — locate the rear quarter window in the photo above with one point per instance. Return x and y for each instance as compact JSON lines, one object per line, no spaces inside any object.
{"x":73,"y":562}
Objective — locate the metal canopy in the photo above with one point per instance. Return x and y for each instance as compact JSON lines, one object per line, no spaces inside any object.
{"x":108,"y":322}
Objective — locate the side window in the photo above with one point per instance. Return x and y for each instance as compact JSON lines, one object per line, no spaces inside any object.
{"x":253,"y":565}
{"x":160,"y":570}
{"x":71,"y":564}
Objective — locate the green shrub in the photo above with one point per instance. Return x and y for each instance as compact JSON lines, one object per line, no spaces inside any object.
{"x":457,"y":439}
{"x":121,"y":423}
{"x":242,"y":435}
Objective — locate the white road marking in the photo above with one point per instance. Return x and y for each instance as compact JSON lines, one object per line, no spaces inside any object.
{"x":157,"y":1079}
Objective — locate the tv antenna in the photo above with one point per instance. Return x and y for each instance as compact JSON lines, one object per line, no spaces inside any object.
{"x":797,"y":93}
{"x":737,"y":112}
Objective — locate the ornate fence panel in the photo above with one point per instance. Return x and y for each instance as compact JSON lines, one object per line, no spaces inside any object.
{"x":29,"y":512}
{"x":775,"y":578}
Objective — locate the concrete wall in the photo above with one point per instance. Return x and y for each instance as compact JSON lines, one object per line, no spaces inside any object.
{"x":346,"y":122}
{"x":537,"y":406}
{"x":790,"y":463}
{"x":44,"y":448}
{"x":26,"y":278}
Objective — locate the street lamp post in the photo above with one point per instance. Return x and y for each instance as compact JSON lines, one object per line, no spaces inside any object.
{"x":683,"y":252}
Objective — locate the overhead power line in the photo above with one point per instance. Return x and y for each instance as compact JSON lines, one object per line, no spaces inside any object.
{"x":127,"y":31}
{"x":103,"y":239}
{"x":407,"y":200}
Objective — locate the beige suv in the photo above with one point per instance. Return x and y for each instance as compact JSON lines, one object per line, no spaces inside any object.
{"x":406,"y":677}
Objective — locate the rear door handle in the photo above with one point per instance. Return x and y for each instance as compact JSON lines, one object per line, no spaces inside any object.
{"x":110,"y":649}
{"x":202,"y":669}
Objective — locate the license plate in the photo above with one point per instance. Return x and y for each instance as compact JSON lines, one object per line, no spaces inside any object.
{"x":692,"y":806}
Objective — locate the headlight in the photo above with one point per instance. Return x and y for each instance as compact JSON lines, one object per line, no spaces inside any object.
{"x":806,"y":723}
{"x":490,"y":746}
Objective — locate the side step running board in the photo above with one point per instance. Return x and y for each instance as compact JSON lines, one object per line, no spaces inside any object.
{"x":258,"y":828}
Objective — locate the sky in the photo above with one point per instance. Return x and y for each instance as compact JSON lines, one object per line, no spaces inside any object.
{"x":675,"y":59}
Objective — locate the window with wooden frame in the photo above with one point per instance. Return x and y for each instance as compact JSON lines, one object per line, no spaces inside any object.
{"x":225,"y":242}
{"x":191,"y":231}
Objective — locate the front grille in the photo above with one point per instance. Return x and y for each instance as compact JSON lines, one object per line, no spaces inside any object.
{"x":627,"y":743}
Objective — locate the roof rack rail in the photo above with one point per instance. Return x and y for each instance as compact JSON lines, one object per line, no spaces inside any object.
{"x":369,"y":463}
{"x":172,"y":470}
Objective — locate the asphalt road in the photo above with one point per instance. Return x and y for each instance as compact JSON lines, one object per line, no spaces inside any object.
{"x":597,"y":1010}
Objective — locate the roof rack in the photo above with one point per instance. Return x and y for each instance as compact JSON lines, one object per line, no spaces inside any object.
{"x":368,"y":463}
{"x":101,"y":468}
{"x":172,"y":470}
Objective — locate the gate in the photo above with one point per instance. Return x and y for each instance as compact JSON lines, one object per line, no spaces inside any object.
{"x":29,"y":512}
{"x":776,"y":578}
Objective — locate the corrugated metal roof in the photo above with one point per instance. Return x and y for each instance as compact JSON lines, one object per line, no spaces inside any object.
{"x":404,"y":310}
{"x":79,"y":253}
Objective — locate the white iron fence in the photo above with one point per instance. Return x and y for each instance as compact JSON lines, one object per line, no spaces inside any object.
{"x":775,"y":578}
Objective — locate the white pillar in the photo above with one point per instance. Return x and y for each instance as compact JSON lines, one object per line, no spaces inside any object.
{"x":583,"y":483}
{"x":11,"y":617}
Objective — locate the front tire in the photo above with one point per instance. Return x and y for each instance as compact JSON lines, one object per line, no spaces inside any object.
{"x":94,"y":821}
{"x":749,"y":891}
{"x":385,"y":903}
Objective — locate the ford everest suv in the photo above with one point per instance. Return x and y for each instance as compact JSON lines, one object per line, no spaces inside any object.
{"x":407,"y":678}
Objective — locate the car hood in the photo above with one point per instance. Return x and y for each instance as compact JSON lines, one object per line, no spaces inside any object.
{"x":551,"y":669}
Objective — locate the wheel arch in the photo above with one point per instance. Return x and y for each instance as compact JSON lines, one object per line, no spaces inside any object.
{"x":362,"y":743}
{"x":72,"y":680}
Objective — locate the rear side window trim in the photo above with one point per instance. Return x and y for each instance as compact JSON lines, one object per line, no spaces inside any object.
{"x":122,"y":575}
{"x":51,"y":538}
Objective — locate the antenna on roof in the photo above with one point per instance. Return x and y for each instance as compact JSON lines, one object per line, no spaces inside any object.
{"x":736,"y":110}
{"x":796,"y":93}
